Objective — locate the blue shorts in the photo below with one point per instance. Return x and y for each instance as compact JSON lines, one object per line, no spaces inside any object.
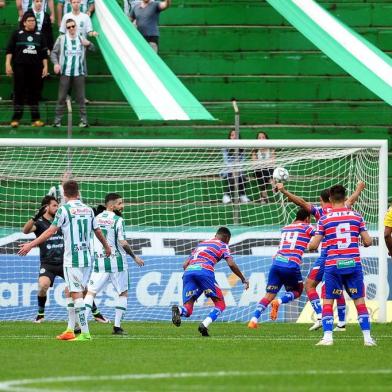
{"x":278,"y":276}
{"x":197,"y":282}
{"x":317,"y":271}
{"x":351,"y":281}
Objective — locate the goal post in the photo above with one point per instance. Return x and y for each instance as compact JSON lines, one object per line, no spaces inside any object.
{"x":174,"y":197}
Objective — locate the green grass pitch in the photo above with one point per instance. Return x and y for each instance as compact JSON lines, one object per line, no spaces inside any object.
{"x":161,"y":357}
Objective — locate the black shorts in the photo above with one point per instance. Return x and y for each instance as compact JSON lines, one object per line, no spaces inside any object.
{"x":51,"y":271}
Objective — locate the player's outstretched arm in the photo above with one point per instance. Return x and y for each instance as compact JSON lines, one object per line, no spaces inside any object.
{"x":29,"y":226}
{"x":26,"y":247}
{"x":355,"y":195}
{"x":299,"y":201}
{"x":366,"y":239}
{"x":234,"y":267}
{"x":102,"y":240}
{"x":315,"y":242}
{"x":129,"y":251}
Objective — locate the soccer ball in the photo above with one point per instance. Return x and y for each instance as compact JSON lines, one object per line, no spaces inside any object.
{"x":280,"y":174}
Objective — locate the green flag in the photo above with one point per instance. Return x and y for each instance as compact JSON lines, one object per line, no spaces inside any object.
{"x":352,"y":52}
{"x":149,"y":86}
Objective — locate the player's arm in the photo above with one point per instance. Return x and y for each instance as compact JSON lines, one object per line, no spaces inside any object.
{"x":234,"y":267}
{"x":26,"y":247}
{"x":293,"y":198}
{"x":29,"y":226}
{"x":366,"y":239}
{"x":186,"y":263}
{"x":315,"y":242}
{"x":130,"y":252}
{"x":388,"y":238}
{"x":163,"y":5}
{"x":91,"y":9}
{"x":101,"y":238}
{"x":354,"y":197}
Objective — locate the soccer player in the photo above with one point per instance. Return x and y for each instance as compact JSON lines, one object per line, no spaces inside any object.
{"x":341,"y":229}
{"x":199,"y":277}
{"x":388,"y":230}
{"x":51,"y":251}
{"x":316,"y":273}
{"x":57,"y":191}
{"x":76,"y":220}
{"x":285,"y":269}
{"x":115,"y":267}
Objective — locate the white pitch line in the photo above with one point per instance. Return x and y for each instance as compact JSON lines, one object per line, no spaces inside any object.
{"x":17,"y":385}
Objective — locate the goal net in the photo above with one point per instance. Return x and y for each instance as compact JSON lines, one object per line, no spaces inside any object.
{"x":176,"y":194}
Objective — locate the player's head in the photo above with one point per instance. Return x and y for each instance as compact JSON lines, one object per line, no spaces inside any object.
{"x":71,"y":189}
{"x":114,"y":202}
{"x":303,"y":215}
{"x":51,"y":203}
{"x":223,"y":234}
{"x":262,"y":136}
{"x":337,"y":194}
{"x":324,"y":196}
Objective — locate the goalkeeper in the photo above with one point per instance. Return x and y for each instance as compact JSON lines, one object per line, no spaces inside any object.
{"x":51,"y":251}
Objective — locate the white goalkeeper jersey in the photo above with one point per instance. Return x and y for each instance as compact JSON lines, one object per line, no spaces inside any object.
{"x":76,"y":221}
{"x":113,"y":228}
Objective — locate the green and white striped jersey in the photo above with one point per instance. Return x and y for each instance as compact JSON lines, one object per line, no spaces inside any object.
{"x":28,"y":4}
{"x":58,"y":192}
{"x":72,"y":56}
{"x":76,"y":221}
{"x":113,"y":229}
{"x":84,"y":5}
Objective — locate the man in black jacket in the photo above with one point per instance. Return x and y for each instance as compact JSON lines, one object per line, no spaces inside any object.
{"x":27,"y":61}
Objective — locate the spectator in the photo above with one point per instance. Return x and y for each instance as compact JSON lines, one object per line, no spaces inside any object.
{"x":44,"y":25}
{"x":65,"y":7}
{"x":24,"y":5}
{"x":68,"y":57}
{"x":2,"y":3}
{"x":26,"y":59}
{"x":232,"y":174}
{"x":83,"y":21}
{"x":263,"y":159}
{"x":145,"y":15}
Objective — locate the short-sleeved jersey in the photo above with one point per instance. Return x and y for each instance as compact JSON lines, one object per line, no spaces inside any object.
{"x":113,"y":228}
{"x":341,"y":229}
{"x":28,"y":4}
{"x":82,"y":20}
{"x":84,"y":5}
{"x":388,"y":218}
{"x":207,"y":254}
{"x":294,"y":240}
{"x":76,"y":221}
{"x":52,"y":250}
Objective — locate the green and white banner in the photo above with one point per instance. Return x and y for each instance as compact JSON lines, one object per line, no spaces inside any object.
{"x":352,"y":52}
{"x":149,"y":86}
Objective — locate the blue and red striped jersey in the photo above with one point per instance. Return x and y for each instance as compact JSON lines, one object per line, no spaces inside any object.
{"x":318,"y":211}
{"x":294,"y":240}
{"x":341,"y":229}
{"x":208,"y":253}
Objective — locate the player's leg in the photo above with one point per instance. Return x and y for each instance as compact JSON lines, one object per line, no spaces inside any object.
{"x":77,"y":279}
{"x":45,"y":280}
{"x":120,"y":281}
{"x":190,"y":292}
{"x":333,"y":290}
{"x":96,"y":283}
{"x":355,"y":288}
{"x":315,"y":276}
{"x":273,"y":286}
{"x":341,"y":305}
{"x":292,"y":280}
{"x":69,"y":333}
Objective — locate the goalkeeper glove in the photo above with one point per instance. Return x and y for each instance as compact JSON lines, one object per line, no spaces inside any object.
{"x":40,"y":212}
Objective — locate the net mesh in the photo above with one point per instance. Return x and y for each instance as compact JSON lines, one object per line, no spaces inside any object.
{"x":174,"y":198}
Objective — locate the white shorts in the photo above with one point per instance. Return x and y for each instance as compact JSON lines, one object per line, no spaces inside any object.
{"x":77,"y":278}
{"x":98,"y":280}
